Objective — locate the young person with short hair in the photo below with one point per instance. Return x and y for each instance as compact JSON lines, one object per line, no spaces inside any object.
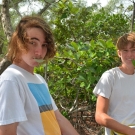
{"x":115,"y":91}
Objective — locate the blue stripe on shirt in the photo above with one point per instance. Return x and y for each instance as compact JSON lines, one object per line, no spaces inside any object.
{"x":41,"y":94}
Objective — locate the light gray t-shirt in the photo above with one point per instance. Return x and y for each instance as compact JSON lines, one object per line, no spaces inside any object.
{"x":119,"y":88}
{"x":25,"y":98}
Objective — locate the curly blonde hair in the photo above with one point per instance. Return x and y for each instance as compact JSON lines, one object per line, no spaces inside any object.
{"x":19,"y":39}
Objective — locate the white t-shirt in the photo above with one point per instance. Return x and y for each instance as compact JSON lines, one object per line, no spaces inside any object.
{"x":25,"y":98}
{"x":119,"y":88}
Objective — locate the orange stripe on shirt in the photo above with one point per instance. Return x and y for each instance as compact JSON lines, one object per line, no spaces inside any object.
{"x":50,"y":123}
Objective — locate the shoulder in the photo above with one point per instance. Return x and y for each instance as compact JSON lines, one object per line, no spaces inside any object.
{"x":106,"y":83}
{"x":109,"y":76}
{"x":111,"y":72}
{"x":11,"y":73}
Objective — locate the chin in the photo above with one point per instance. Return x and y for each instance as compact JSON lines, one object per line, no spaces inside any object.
{"x":36,"y":65}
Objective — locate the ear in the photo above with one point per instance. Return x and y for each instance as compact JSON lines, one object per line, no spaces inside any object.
{"x":119,"y":53}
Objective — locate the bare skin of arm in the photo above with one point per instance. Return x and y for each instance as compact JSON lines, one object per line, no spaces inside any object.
{"x":105,"y":120}
{"x":65,"y":125}
{"x":9,"y":129}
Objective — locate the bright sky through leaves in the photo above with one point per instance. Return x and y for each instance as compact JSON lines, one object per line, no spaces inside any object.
{"x":103,"y":2}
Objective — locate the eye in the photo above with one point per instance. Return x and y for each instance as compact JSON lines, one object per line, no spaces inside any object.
{"x":45,"y":44}
{"x":32,"y":42}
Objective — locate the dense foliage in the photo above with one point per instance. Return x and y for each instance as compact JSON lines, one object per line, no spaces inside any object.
{"x":85,"y":38}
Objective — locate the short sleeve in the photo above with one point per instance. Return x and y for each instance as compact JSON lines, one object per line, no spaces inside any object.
{"x":105,"y":85}
{"x":11,"y":105}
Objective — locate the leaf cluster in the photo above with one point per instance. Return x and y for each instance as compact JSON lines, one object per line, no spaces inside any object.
{"x":85,"y":39}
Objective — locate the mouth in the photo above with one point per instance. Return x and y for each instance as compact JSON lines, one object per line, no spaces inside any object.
{"x":39,"y":60}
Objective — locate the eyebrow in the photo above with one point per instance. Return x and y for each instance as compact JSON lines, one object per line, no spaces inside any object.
{"x":35,"y":38}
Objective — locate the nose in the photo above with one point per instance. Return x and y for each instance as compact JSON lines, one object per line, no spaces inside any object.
{"x":38,"y":51}
{"x":129,"y":53}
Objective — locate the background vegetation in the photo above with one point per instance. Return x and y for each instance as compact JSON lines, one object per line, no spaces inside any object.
{"x":85,"y":38}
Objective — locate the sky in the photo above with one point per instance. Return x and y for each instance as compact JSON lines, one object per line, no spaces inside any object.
{"x":89,"y":2}
{"x":103,"y":2}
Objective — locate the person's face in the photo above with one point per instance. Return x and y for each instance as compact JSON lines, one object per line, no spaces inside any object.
{"x":127,"y":55}
{"x":36,"y":47}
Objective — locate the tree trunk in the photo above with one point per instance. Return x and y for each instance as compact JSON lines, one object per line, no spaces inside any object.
{"x":6,"y":23}
{"x":4,"y":64}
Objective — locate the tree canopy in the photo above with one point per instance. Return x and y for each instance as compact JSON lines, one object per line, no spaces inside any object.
{"x":85,"y":37}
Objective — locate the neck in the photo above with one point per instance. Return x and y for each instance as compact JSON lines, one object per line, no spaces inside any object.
{"x":127,"y":70}
{"x":25,"y":66}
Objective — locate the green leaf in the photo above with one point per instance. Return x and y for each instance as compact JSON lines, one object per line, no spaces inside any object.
{"x":82,"y":84}
{"x":81,"y":78}
{"x":133,"y":62}
{"x":64,"y":15}
{"x":74,"y":45}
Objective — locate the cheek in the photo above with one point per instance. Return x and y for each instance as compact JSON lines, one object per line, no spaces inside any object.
{"x":44,"y":52}
{"x":24,"y":57}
